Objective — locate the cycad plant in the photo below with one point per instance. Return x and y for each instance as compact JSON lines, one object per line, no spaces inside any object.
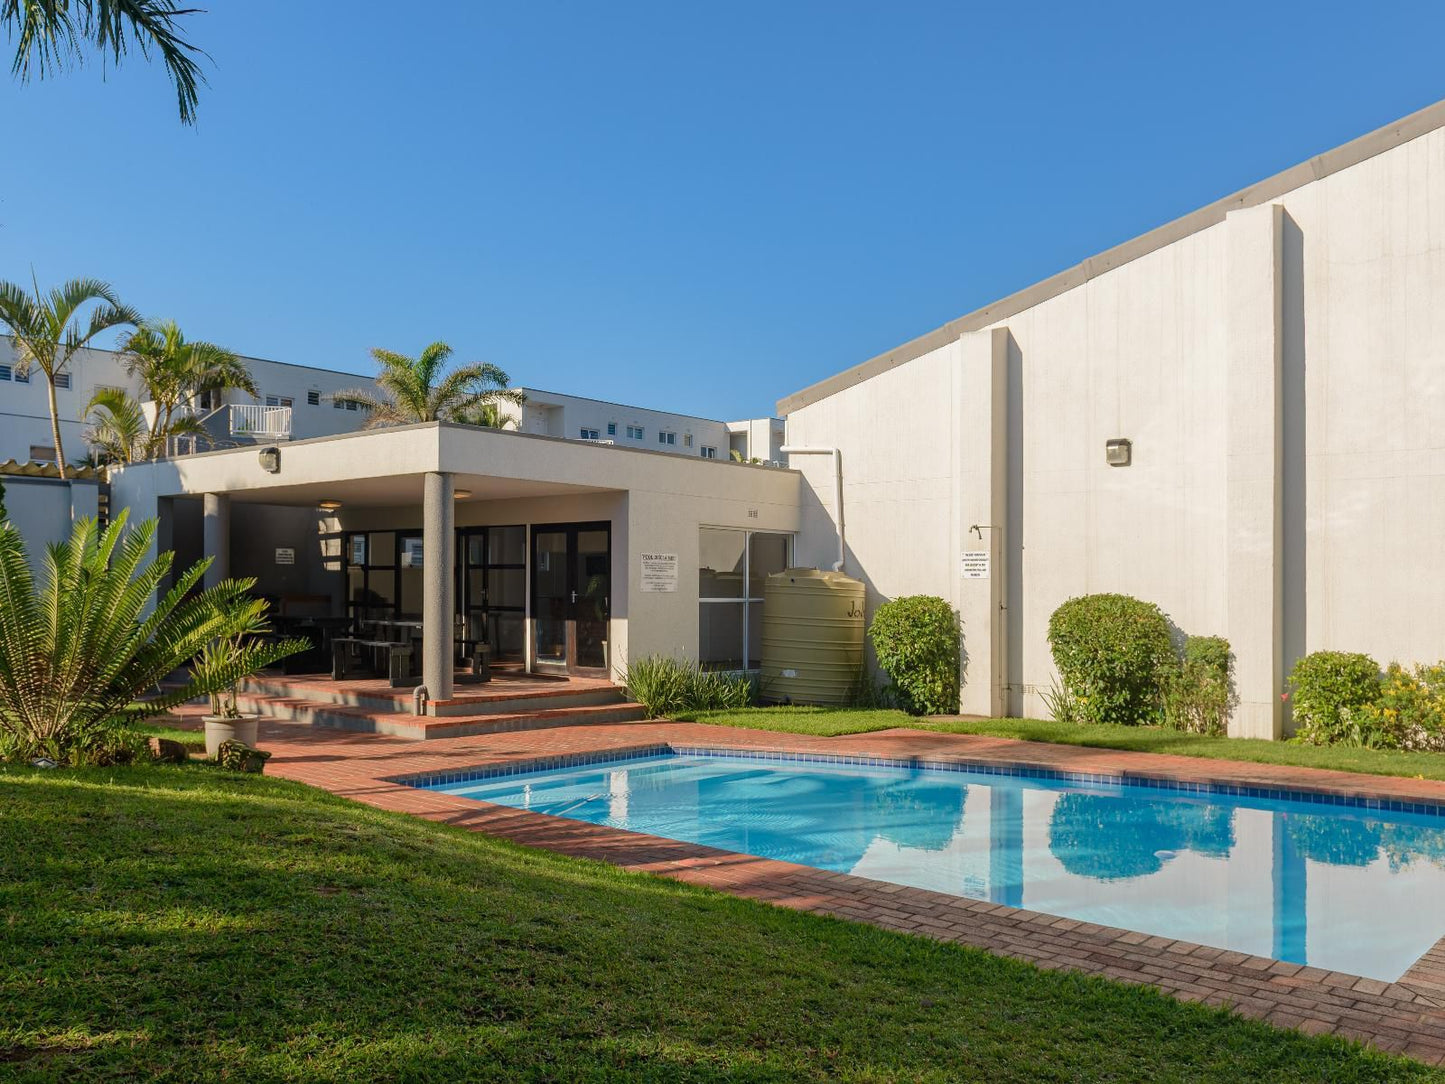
{"x":79,"y":650}
{"x":420,"y":390}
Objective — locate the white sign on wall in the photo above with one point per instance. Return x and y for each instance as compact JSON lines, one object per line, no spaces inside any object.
{"x":411,"y":552}
{"x":659,"y":571}
{"x":285,"y":555}
{"x":975,"y":564}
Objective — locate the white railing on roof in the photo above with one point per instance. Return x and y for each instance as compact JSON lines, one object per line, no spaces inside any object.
{"x":595,"y":440}
{"x":267,"y":422}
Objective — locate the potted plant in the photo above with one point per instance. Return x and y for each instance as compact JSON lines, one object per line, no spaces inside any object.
{"x":231,"y":657}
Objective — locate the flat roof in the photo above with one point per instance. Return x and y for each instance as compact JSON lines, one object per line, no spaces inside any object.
{"x":1352,"y":153}
{"x":613,"y":403}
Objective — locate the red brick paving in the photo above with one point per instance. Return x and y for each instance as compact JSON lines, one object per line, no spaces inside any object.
{"x":1407,"y":1016}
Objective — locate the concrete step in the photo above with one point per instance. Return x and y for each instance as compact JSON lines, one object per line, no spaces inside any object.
{"x":469,"y":700}
{"x":421,"y":727}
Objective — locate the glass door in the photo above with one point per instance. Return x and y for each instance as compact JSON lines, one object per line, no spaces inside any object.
{"x":571,"y":596}
{"x":491,"y":594}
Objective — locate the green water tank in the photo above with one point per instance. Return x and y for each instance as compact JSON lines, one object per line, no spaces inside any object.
{"x":812,"y":636}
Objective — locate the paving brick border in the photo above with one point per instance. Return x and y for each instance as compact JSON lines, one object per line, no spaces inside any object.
{"x":1407,"y":1016}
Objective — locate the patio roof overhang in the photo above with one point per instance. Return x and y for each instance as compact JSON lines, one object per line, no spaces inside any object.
{"x":383,"y":467}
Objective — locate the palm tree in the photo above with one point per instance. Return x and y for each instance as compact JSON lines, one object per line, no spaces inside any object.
{"x":487,"y":416}
{"x":118,"y":431}
{"x":45,"y":330}
{"x":175,"y":372}
{"x":414,"y":389}
{"x":48,"y":33}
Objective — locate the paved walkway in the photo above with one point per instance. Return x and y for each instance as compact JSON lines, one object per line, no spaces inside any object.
{"x":1407,"y":1016}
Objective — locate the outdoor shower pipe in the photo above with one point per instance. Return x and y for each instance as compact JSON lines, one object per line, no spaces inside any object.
{"x":837,"y":454}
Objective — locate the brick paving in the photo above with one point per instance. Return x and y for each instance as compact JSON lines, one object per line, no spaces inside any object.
{"x":1407,"y":1016}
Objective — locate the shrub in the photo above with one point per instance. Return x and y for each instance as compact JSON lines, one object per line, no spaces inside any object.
{"x":78,"y":651}
{"x":666,"y":686}
{"x":1114,"y":655}
{"x":916,"y":640}
{"x":1329,"y":689}
{"x":1198,"y":694}
{"x":1409,"y":712}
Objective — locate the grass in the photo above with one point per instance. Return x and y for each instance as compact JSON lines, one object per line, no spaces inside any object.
{"x":180,"y":924}
{"x":193,"y":740}
{"x":830,"y":722}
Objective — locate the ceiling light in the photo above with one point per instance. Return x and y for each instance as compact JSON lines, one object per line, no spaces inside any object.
{"x":328,"y":506}
{"x":460,"y":493}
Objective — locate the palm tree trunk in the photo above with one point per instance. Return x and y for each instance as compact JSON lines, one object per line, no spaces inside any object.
{"x":55,"y":423}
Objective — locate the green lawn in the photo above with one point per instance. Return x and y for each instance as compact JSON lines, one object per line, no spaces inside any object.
{"x":179,"y":924}
{"x":830,"y":722}
{"x":193,"y":740}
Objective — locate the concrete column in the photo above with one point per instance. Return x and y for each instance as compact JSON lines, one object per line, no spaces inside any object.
{"x":438,"y":607}
{"x":981,"y":469}
{"x":1254,"y":467}
{"x":216,"y":536}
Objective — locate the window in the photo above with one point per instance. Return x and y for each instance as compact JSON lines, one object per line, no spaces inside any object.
{"x":687,"y":440}
{"x":634,"y":432}
{"x":22,"y":378}
{"x":733,"y":566}
{"x":589,"y":434}
{"x":338,"y":404}
{"x":278,"y":400}
{"x":351,"y":404}
{"x":707,"y":451}
{"x":42,"y":453}
{"x":62,"y":380}
{"x":664,"y":437}
{"x":5,"y":372}
{"x":209,"y":400}
{"x":313,"y":398}
{"x":611,"y":429}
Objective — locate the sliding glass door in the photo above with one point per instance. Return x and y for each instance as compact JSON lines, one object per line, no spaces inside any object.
{"x":571,"y":596}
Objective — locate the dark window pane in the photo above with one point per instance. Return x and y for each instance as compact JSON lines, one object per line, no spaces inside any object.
{"x":507,"y":587}
{"x":769,"y":554}
{"x":381,"y":548}
{"x":508,"y":545}
{"x":720,"y":635}
{"x":720,"y":563}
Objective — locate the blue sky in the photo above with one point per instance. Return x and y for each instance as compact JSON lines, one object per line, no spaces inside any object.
{"x":686,"y":206}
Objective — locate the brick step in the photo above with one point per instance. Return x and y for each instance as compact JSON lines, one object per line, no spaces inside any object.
{"x":420,"y":727}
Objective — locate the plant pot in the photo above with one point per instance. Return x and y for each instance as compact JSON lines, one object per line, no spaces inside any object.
{"x":219,"y":728}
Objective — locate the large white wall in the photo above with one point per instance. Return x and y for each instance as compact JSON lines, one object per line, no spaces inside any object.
{"x":1281,"y":374}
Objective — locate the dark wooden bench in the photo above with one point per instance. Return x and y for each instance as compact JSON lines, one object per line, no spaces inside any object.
{"x":477,"y":658}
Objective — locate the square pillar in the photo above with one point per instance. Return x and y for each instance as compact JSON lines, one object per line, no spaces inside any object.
{"x":439,"y":543}
{"x":981,"y":472}
{"x":1254,"y":468}
{"x":216,"y":536}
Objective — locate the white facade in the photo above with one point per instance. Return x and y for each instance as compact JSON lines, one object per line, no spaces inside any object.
{"x":551,"y":414}
{"x":25,"y":412}
{"x":1275,"y":359}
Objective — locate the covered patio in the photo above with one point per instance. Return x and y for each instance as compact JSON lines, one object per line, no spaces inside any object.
{"x":429,"y":555}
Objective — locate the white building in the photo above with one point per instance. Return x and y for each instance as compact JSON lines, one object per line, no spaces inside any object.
{"x":552,"y":414}
{"x":1237,"y":416}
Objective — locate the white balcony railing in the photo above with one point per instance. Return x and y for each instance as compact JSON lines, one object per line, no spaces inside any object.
{"x":262,"y":422}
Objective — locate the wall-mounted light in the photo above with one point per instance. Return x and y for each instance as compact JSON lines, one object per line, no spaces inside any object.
{"x":270,"y":460}
{"x":1118,"y":452}
{"x":460,"y":493}
{"x":329,"y":506}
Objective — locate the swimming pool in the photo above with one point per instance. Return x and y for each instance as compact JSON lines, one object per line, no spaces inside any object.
{"x":1305,"y":878}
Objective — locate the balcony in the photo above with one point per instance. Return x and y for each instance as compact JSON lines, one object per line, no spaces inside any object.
{"x":261,"y":422}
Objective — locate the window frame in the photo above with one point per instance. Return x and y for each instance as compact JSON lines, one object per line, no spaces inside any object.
{"x":746,"y":600}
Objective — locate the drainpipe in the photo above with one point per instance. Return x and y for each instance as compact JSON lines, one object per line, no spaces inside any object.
{"x":837,"y":454}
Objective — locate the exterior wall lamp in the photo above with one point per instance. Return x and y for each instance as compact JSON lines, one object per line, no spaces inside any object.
{"x":1118,"y":452}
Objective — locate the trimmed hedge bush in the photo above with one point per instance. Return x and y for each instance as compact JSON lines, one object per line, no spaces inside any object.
{"x":1199,"y":694}
{"x":916,"y":640}
{"x":1115,"y":657}
{"x":1328,"y":689}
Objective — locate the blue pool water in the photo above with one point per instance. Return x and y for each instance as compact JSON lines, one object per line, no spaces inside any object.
{"x":1340,"y":887}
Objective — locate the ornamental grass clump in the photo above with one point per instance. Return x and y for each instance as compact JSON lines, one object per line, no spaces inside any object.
{"x":79,"y":650}
{"x":665,"y":687}
{"x":1114,"y":656}
{"x":917,"y":643}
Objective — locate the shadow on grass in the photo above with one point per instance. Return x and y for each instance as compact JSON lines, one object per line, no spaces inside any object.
{"x":213,"y":925}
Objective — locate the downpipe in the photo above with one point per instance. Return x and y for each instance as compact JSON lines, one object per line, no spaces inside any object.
{"x":837,"y":454}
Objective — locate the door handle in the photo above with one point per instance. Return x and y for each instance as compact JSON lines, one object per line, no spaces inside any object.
{"x":574,"y":597}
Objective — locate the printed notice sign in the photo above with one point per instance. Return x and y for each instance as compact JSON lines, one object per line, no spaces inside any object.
{"x":285,"y":555}
{"x":659,"y":571}
{"x":975,"y":564}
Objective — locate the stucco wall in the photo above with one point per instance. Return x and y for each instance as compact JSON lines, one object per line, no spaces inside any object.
{"x":1291,"y":356}
{"x":43,"y":510}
